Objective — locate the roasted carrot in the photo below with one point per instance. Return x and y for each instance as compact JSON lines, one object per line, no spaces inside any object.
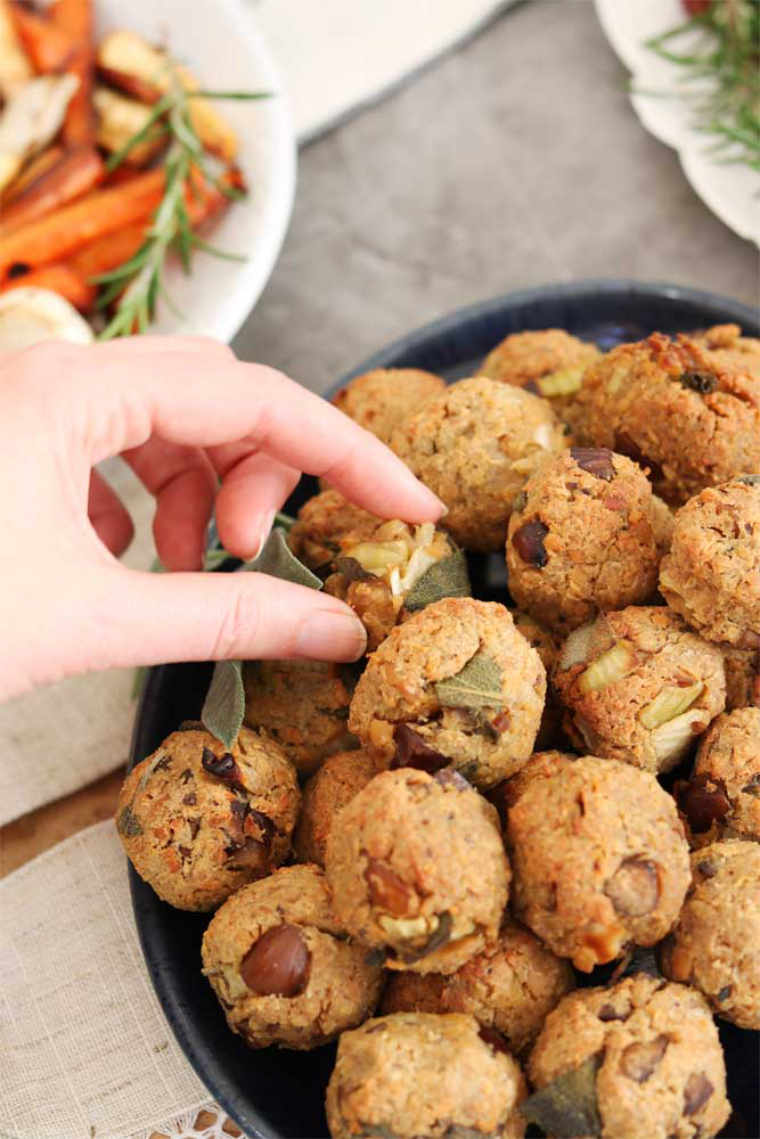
{"x":54,"y":237}
{"x":75,"y":19}
{"x":60,"y":279}
{"x":49,"y":47}
{"x":108,"y":252}
{"x":33,"y":169}
{"x":76,"y":173}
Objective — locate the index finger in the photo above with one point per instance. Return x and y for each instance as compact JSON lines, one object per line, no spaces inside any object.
{"x":196,"y":393}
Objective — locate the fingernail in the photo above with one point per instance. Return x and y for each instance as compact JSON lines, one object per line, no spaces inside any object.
{"x":327,"y":635}
{"x":266,"y":527}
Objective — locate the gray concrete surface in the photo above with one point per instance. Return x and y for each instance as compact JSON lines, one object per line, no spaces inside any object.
{"x":516,"y":160}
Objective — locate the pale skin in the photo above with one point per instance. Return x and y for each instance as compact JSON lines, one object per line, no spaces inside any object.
{"x":203,"y":432}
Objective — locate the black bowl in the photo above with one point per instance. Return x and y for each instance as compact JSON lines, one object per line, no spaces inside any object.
{"x":273,"y":1094}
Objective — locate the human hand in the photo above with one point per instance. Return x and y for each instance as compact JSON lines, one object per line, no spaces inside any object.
{"x":185,"y":414}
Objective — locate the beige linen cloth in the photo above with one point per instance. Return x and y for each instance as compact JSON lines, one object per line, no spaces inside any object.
{"x":85,"y":1052}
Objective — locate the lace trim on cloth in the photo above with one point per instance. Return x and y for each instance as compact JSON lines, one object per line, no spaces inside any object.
{"x":210,"y":1122}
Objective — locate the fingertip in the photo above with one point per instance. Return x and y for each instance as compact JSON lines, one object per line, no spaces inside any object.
{"x":330,"y":634}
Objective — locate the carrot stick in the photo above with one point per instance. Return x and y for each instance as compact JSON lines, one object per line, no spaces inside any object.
{"x":75,"y":174}
{"x":108,"y":252}
{"x":60,"y":279}
{"x":75,"y":19}
{"x":48,"y":46}
{"x":53,"y":237}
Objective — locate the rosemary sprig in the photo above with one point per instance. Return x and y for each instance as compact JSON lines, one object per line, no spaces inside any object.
{"x":727,"y":54}
{"x":139,"y":282}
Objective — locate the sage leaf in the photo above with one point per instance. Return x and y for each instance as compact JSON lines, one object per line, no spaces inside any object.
{"x":446,"y":578}
{"x":477,"y":685}
{"x":224,"y":706}
{"x":567,"y":1107}
{"x":128,"y":824}
{"x":278,"y":560}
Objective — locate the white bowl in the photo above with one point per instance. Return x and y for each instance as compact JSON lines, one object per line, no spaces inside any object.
{"x":219,"y":41}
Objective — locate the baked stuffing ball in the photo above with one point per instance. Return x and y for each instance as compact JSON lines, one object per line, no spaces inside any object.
{"x":549,"y":363}
{"x":384,"y":570}
{"x":475,"y":446}
{"x":339,"y":778}
{"x":418,"y":870}
{"x":380,"y":400}
{"x":742,"y":678}
{"x":730,"y":349}
{"x":722,"y":798}
{"x":716,"y":944}
{"x":639,"y":1060}
{"x":599,"y":857}
{"x":581,"y":538}
{"x":419,"y":1076}
{"x":198,"y":821}
{"x":712,"y":574}
{"x":303,"y":705}
{"x":638,"y":686}
{"x":281,"y":965}
{"x":510,"y":986}
{"x":456,"y":684}
{"x":671,"y":407}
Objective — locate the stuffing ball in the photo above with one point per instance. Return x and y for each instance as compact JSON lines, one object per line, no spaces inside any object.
{"x":198,"y":822}
{"x":722,"y":798}
{"x":599,"y":857}
{"x":301,"y":704}
{"x":381,"y":400}
{"x":282,"y":967}
{"x":712,"y":574}
{"x":581,"y":538}
{"x":325,"y":523}
{"x":547,"y":646}
{"x":675,"y":410}
{"x":638,"y":686}
{"x":339,"y":778}
{"x":549,"y":363}
{"x":456,"y":684}
{"x":510,"y":986}
{"x":639,"y":1060}
{"x":417,"y":1076}
{"x":418,"y":870}
{"x":475,"y":446}
{"x":715,"y":944}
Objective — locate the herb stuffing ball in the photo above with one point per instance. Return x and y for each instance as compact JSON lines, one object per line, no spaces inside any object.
{"x":420,"y":1076}
{"x":581,"y":538}
{"x":677,"y":411}
{"x":638,"y":1060}
{"x":418,"y":871}
{"x":722,"y":798}
{"x":456,"y":684}
{"x":474,"y":446}
{"x":198,"y":821}
{"x":730,"y":349}
{"x":510,"y":986}
{"x":638,"y":686}
{"x":549,"y":363}
{"x":339,"y":778}
{"x":303,"y":705}
{"x":281,"y":966}
{"x":379,"y":401}
{"x":599,"y":857}
{"x":716,"y":944}
{"x":712,"y":574}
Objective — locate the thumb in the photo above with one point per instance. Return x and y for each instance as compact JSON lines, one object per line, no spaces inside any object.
{"x":157,"y":618}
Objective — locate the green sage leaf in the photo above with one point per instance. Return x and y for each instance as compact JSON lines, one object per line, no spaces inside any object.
{"x":278,"y":560}
{"x":567,"y":1107}
{"x":128,"y":823}
{"x":477,"y":685}
{"x":224,"y":706}
{"x":447,"y":578}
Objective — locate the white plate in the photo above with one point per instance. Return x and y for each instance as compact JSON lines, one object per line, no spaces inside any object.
{"x":219,"y":41}
{"x":732,"y":191}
